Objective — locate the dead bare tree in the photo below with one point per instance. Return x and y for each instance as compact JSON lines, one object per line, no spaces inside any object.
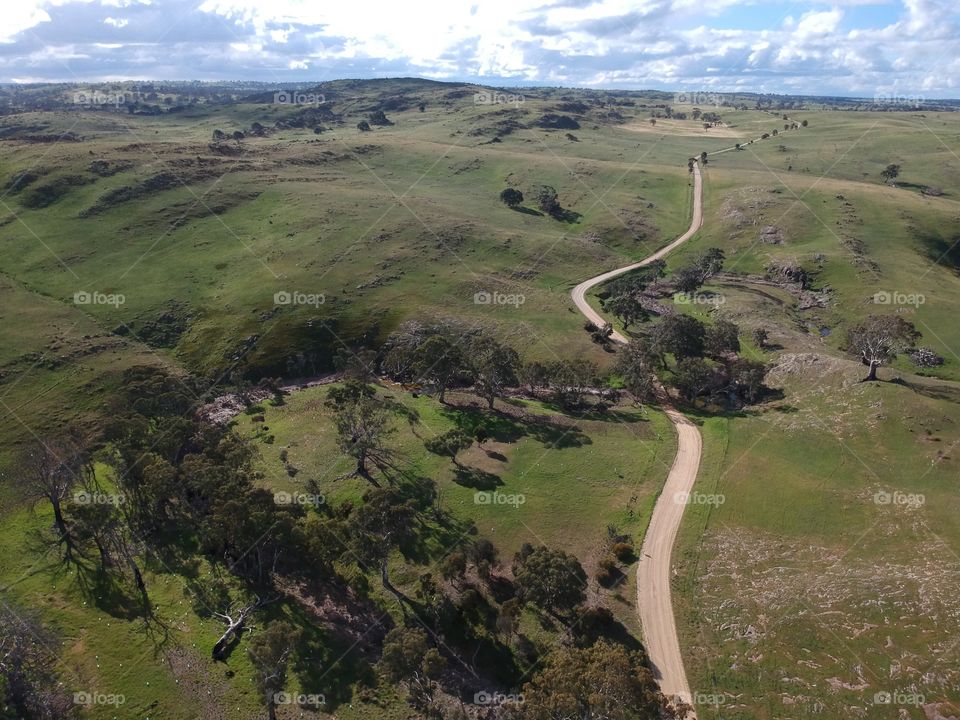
{"x":49,"y":470}
{"x":236,"y":624}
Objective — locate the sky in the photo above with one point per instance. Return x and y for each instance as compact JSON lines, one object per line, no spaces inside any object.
{"x":863,"y":48}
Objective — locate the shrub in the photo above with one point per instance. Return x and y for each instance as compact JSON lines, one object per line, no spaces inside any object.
{"x":925,"y":357}
{"x":623,"y":552}
{"x":607,"y":572}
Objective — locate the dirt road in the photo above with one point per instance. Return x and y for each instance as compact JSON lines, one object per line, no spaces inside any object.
{"x":654,"y":603}
{"x":579,"y":292}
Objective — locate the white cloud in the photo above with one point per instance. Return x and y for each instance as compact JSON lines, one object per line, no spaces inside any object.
{"x":819,"y":23}
{"x":18,"y":17}
{"x":631,"y":43}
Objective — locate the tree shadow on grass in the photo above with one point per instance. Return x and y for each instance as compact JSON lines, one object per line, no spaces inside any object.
{"x":618,"y":633}
{"x":502,"y":588}
{"x":567,"y":216}
{"x":498,"y":426}
{"x":915,"y":186}
{"x":526,"y":211}
{"x":786,"y":409}
{"x":329,"y":665}
{"x":558,"y":438}
{"x":506,"y":428}
{"x":176,"y":551}
{"x":609,"y":415}
{"x":108,"y":591}
{"x":476,"y":478}
{"x":494,"y":455}
{"x":936,"y":392}
{"x":439,"y":534}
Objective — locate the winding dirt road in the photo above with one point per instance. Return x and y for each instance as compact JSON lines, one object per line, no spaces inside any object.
{"x":654,"y":602}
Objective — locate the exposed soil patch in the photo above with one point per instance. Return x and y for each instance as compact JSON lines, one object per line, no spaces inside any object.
{"x":746,"y":206}
{"x":197,"y":681}
{"x":771,"y":235}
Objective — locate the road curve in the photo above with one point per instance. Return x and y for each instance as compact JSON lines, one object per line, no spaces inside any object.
{"x":654,"y":603}
{"x":579,"y":292}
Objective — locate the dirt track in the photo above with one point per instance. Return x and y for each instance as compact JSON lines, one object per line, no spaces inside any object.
{"x":654,"y":602}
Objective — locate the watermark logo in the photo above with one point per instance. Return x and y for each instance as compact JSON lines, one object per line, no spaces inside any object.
{"x":893,"y":98}
{"x":295,"y":297}
{"x":86,"y":497}
{"x":497,"y":698}
{"x":498,"y":498}
{"x":97,"y":698}
{"x":292,"y":97}
{"x":82,"y":297}
{"x":497,"y":98}
{"x":96,"y":98}
{"x":910,"y":500}
{"x":897,"y":697}
{"x":497,"y":298}
{"x":698,"y":98}
{"x":885,"y":297}
{"x":283,"y":497}
{"x":310,"y":700}
{"x":712,"y":699}
{"x":699,"y":498}
{"x":698,"y":298}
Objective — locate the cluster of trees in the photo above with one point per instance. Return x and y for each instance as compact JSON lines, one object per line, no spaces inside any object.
{"x":622,"y":296}
{"x":706,"y":363}
{"x":546,"y":198}
{"x":187,"y":488}
{"x":476,"y":602}
{"x":567,"y":383}
{"x":183,"y":487}
{"x":443,"y":356}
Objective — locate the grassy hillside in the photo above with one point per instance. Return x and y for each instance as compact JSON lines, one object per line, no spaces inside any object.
{"x":819,"y":585}
{"x":814,"y":586}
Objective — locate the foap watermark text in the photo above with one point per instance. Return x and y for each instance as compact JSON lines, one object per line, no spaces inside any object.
{"x":295,"y":297}
{"x":83,"y":297}
{"x":497,"y":298}
{"x":498,"y":498}
{"x":292,"y":97}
